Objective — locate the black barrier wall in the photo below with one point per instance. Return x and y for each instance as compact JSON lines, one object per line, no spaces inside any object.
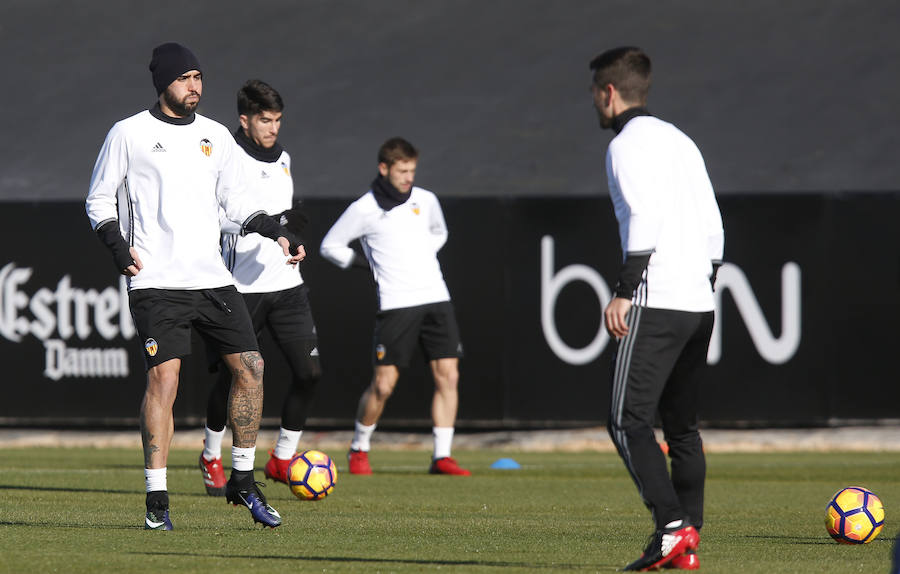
{"x":805,"y":332}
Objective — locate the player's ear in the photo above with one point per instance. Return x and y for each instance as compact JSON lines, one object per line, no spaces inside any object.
{"x":608,"y":91}
{"x":245,"y":121}
{"x":383,"y":169}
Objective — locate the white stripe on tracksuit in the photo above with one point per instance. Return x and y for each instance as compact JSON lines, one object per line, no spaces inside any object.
{"x":620,"y":376}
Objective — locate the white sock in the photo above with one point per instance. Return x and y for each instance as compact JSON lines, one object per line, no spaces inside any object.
{"x":286,"y":447}
{"x":443,"y":438}
{"x":212,"y":448}
{"x":243,"y":458}
{"x":362,"y":436}
{"x":155,"y":479}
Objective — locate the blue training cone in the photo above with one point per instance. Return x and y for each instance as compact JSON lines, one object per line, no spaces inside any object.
{"x":506,"y":464}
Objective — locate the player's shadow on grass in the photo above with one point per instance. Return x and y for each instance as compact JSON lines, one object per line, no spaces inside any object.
{"x":67,"y":489}
{"x":362,"y":560}
{"x":91,"y":526}
{"x":179,"y":493}
{"x":810,"y":540}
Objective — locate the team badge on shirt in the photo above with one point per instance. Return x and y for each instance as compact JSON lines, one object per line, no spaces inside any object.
{"x":206,"y":147}
{"x":151,"y":346}
{"x":415,"y":208}
{"x":379,"y":352}
{"x":285,"y":168}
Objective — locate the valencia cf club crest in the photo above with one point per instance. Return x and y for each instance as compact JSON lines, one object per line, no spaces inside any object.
{"x":415,"y":208}
{"x":379,"y":352}
{"x":206,"y":147}
{"x":285,"y":168}
{"x":151,"y":346}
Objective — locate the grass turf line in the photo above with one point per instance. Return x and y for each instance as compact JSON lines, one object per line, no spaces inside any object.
{"x":81,"y":510}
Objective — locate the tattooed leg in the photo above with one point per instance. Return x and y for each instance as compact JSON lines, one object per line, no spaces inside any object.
{"x":245,"y":400}
{"x":157,"y":421}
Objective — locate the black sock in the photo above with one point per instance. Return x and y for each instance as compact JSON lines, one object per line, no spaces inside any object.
{"x":158,"y":499}
{"x":242,"y":476}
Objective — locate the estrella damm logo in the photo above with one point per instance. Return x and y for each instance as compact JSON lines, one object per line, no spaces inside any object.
{"x":285,"y":168}
{"x":151,"y":346}
{"x":379,"y":352}
{"x":206,"y":147}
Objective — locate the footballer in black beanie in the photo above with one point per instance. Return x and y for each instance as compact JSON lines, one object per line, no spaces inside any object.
{"x":169,"y":61}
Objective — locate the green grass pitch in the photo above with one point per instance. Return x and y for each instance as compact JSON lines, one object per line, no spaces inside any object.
{"x":81,"y":510}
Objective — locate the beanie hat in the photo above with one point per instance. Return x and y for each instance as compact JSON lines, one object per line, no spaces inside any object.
{"x":169,"y":61}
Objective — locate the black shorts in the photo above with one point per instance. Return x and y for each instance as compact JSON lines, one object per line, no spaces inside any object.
{"x":432,"y":326}
{"x":164,"y":317}
{"x":286,"y":313}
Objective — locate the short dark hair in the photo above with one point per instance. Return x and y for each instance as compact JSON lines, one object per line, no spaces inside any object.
{"x":627,"y":69}
{"x":257,"y":96}
{"x":396,"y":149}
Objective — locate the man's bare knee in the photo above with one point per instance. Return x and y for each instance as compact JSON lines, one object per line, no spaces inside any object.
{"x":254,"y":363}
{"x":246,"y":368}
{"x":382,"y":389}
{"x":445,"y":373}
{"x":162,"y":384}
{"x":383,"y":383}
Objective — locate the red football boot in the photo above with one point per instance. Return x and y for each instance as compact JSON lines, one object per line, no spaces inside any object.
{"x":666,"y":545}
{"x":359,"y":462}
{"x":277,"y":468}
{"x":447,"y":465}
{"x":687,"y":561}
{"x":213,"y":476}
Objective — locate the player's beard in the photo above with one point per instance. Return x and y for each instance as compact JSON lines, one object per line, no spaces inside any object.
{"x":181,"y":108}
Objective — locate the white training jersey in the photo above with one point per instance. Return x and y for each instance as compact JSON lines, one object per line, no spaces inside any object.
{"x":164,"y":180}
{"x":257,"y":263}
{"x":665,"y":204}
{"x":401,"y":246}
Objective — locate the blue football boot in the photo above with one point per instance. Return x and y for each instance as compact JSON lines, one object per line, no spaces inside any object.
{"x":247,"y":493}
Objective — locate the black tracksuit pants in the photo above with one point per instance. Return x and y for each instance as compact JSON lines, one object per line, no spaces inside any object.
{"x":657,"y":369}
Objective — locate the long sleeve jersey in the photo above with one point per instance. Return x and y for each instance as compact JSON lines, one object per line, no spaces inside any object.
{"x":401,"y":246}
{"x":164,"y":179}
{"x":665,"y":206}
{"x":256,"y":262}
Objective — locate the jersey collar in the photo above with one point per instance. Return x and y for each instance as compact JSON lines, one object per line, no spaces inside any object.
{"x":157,"y":113}
{"x":386,"y":195}
{"x":256,"y":151}
{"x":618,"y":122}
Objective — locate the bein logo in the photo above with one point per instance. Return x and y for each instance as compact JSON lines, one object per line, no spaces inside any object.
{"x":775,"y":350}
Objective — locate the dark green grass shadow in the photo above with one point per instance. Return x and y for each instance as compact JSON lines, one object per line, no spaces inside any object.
{"x":808,"y":540}
{"x":66,"y":526}
{"x":377,"y":561}
{"x":66,"y":489}
{"x":136,"y":491}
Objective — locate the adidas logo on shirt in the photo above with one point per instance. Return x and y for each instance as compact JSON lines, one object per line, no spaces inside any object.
{"x":264,"y":175}
{"x":158,"y":147}
{"x":314,"y":352}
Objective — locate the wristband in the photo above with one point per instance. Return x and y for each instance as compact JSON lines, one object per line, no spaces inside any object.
{"x":111,"y":237}
{"x":631,"y":273}
{"x":293,"y":219}
{"x":715,"y":271}
{"x":264,"y":225}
